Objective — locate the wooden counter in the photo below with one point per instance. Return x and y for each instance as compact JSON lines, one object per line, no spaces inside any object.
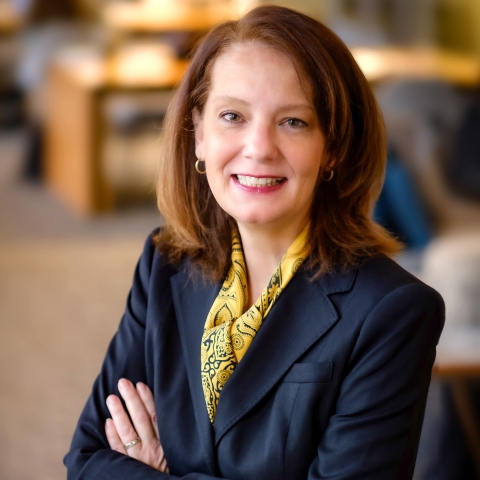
{"x":10,"y":19}
{"x":458,"y":360}
{"x":75,"y":126}
{"x":383,"y":63}
{"x":458,"y":353}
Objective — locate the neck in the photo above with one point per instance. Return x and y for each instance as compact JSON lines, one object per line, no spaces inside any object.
{"x":263,"y":249}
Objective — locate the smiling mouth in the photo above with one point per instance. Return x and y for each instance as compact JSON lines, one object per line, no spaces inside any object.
{"x":259,"y":182}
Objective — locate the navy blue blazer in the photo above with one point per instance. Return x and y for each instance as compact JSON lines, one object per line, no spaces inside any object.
{"x":333,"y":386}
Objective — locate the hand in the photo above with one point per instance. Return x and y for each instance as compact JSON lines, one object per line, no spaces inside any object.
{"x":119,"y":429}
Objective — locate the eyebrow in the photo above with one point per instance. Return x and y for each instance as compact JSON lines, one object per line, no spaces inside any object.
{"x":293,"y":106}
{"x":227,"y":98}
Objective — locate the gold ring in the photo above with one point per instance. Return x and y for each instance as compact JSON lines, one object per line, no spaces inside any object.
{"x":132,"y":443}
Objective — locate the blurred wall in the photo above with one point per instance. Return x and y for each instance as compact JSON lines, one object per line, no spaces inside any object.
{"x":315,"y":8}
{"x":458,"y":24}
{"x":452,"y":24}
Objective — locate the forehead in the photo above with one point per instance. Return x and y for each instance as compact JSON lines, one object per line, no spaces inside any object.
{"x":251,"y":62}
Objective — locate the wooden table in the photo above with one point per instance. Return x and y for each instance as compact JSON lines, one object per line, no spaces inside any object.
{"x":75,"y":126}
{"x":458,"y":360}
{"x":383,"y":63}
{"x":10,"y":19}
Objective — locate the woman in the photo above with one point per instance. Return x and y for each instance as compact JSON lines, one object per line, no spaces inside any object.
{"x":274,"y":153}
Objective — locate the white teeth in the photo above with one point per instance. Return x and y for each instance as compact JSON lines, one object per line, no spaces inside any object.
{"x":258,"y":182}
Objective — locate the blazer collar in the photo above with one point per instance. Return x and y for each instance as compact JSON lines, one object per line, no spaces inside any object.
{"x":338,"y":281}
{"x":301,"y":315}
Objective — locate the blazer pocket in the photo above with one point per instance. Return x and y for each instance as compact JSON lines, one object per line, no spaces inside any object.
{"x":319,"y":372}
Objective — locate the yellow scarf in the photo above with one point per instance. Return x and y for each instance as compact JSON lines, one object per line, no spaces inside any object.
{"x":228,"y":330}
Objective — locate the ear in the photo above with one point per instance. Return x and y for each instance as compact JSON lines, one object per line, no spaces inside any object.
{"x":198,"y":126}
{"x":327,"y":163}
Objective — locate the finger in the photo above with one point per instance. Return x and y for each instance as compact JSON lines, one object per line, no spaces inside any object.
{"x":147,"y":398}
{"x":138,"y":413}
{"x":113,"y":437}
{"x":122,"y":423}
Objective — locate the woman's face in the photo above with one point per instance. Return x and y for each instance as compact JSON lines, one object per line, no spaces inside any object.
{"x":260,"y":139}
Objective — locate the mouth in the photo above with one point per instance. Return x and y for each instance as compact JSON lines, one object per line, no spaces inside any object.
{"x":248,"y":181}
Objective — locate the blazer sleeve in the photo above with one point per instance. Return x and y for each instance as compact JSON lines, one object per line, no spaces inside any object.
{"x":374,"y":430}
{"x":90,"y":456}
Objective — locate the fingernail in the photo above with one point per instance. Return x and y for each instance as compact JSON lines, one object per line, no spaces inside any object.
{"x":111,"y":399}
{"x":141,"y":386}
{"x":124,"y":383}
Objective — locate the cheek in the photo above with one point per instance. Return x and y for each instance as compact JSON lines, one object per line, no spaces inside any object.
{"x":220,"y":190}
{"x":218,"y":171}
{"x":308,"y":169}
{"x":219,"y":153}
{"x":306,"y":156}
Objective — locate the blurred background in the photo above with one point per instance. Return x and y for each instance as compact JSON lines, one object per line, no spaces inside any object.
{"x":84,"y":85}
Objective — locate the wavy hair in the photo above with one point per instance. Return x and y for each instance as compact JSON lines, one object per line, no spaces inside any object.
{"x":342,"y":231}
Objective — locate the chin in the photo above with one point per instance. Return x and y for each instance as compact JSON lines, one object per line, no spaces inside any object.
{"x":255,"y":220}
{"x":255,"y":215}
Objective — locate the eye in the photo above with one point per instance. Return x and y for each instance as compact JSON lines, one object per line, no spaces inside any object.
{"x":295,"y":123}
{"x":231,"y":117}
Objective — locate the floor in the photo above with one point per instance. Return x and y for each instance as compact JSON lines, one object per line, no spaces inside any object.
{"x":63,"y":285}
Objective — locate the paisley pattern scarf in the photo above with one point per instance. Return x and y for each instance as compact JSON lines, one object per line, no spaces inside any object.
{"x":228,"y":330}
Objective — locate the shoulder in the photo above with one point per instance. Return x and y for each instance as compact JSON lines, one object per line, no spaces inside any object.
{"x":381,"y":289}
{"x":390,"y":296}
{"x":153,"y":265}
{"x":375,"y":278}
{"x":381,"y":276}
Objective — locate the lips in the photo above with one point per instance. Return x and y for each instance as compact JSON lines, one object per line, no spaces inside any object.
{"x":249,"y":181}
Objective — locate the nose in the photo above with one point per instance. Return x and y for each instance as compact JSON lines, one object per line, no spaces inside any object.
{"x":260,"y":142}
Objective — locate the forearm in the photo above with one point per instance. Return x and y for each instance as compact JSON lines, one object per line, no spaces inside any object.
{"x":110,"y":465}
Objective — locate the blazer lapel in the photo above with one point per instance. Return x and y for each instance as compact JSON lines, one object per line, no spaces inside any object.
{"x":192,"y":302}
{"x":301,"y":315}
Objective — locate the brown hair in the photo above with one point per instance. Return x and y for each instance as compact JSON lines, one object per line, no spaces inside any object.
{"x":342,"y":231}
